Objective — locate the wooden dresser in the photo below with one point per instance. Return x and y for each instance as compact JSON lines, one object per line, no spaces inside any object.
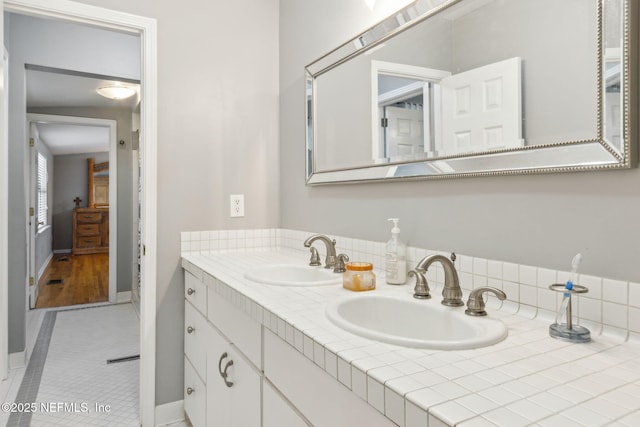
{"x":90,"y":230}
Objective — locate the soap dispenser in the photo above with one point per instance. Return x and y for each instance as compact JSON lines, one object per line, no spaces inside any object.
{"x":396,"y":257}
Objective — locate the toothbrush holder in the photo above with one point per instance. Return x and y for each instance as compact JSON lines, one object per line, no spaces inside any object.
{"x":568,"y":331}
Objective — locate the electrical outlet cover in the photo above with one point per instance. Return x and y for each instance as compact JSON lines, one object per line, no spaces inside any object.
{"x":236,"y":202}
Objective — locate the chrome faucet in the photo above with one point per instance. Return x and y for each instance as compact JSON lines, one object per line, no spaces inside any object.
{"x":475,"y":303}
{"x":330,"y":260}
{"x":452,"y":294}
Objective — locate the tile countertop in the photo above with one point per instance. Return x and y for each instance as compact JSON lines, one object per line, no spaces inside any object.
{"x":527,"y":379}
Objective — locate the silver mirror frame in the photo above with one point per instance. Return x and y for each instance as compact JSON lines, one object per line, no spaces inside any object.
{"x":560,"y":156}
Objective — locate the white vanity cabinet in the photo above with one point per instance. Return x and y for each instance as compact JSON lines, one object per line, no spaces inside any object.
{"x":222,"y":385}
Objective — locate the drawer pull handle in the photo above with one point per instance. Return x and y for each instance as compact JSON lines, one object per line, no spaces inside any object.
{"x":190,"y":391}
{"x":223,"y":373}
{"x":191,"y":291}
{"x":190,"y":329}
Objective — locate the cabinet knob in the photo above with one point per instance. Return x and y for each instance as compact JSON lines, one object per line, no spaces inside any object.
{"x":191,"y":291}
{"x":190,"y":391}
{"x":190,"y":329}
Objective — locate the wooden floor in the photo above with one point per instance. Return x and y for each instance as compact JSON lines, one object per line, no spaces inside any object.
{"x":85,"y":280}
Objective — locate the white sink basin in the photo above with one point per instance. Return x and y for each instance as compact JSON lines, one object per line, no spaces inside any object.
{"x":293,"y":275}
{"x":414,"y":323}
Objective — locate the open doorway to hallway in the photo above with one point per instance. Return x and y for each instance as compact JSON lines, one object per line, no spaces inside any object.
{"x":84,"y":196}
{"x":75,"y":246}
{"x":12,"y":199}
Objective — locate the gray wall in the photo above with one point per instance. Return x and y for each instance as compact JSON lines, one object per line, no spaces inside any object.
{"x":217,"y":135}
{"x":539,"y":220}
{"x":70,"y":181}
{"x":548,"y":58}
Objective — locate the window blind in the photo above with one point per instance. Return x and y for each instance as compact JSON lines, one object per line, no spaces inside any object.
{"x":42,"y":191}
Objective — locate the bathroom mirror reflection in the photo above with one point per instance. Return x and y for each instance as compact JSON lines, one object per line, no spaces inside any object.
{"x":474,"y":87}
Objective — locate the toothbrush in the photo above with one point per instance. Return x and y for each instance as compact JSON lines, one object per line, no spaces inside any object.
{"x":575,"y":263}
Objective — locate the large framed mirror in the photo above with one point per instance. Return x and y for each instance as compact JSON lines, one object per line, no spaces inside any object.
{"x":477,"y":87}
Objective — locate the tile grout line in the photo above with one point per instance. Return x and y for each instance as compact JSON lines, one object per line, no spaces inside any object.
{"x":28,"y":390}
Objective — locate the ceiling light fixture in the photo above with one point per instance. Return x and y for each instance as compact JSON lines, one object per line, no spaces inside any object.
{"x":116,"y":91}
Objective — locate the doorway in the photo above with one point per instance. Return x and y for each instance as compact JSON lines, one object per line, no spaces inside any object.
{"x":146,"y":27}
{"x":73,"y":243}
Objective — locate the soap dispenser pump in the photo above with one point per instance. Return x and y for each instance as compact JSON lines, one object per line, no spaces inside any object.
{"x":396,"y":257}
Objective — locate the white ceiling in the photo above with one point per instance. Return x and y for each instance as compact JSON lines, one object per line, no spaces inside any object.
{"x":53,"y":89}
{"x":63,"y":138}
{"x":47,"y":89}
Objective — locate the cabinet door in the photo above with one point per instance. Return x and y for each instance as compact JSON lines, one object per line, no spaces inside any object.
{"x":318,"y":396}
{"x":234,"y":399}
{"x":276,"y":411}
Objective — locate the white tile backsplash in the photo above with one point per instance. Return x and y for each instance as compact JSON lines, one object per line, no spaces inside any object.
{"x":518,"y":281}
{"x":617,"y":291}
{"x":615,"y":315}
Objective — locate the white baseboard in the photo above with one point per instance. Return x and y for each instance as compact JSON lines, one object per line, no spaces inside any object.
{"x":17,"y":360}
{"x":169,"y":413}
{"x":62,"y":251}
{"x":123,"y":297}
{"x":44,"y":266}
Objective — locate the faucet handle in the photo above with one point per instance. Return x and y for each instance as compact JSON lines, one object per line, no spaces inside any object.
{"x":315,"y":257}
{"x":339,"y":266}
{"x":475,"y":303}
{"x":421,"y":290}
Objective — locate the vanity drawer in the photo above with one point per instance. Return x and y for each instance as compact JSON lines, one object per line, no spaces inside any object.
{"x":90,"y":217}
{"x":195,"y":396}
{"x":88,"y":241}
{"x":195,"y":339}
{"x":88,"y":229}
{"x":195,"y":292}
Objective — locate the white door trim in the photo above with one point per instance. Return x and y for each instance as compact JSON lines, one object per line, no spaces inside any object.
{"x":113,"y":184}
{"x":30,"y":183}
{"x":4,"y":218}
{"x":147,"y":28}
{"x":399,"y":70}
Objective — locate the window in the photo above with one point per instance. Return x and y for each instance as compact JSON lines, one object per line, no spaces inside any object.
{"x":42,"y":191}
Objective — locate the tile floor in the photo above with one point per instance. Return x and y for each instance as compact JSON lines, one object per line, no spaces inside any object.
{"x":68,"y":378}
